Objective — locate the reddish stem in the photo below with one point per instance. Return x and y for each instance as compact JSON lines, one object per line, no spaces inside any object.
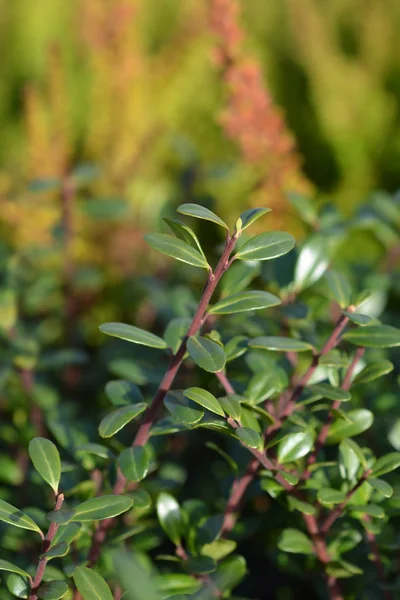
{"x":336,"y":513}
{"x":45,"y":547}
{"x":377,"y":560}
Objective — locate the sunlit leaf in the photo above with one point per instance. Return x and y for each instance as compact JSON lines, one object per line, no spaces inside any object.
{"x":133,"y":334}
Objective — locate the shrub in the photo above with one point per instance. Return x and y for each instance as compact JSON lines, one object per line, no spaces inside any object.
{"x":229,"y":436}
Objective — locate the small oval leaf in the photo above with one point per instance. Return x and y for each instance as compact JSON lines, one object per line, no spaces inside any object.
{"x":248,"y":217}
{"x":295,"y":446}
{"x":52,"y":590}
{"x":359,"y":420}
{"x":374,"y":336}
{"x":244,"y":301}
{"x":295,"y":541}
{"x":134,"y":463}
{"x":13,"y":516}
{"x":176,"y":248}
{"x":116,"y":420}
{"x":91,"y":585}
{"x":249,"y":437}
{"x":266,"y":246}
{"x":324,"y":390}
{"x":205,"y":399}
{"x":329,"y":496}
{"x":200,"y":212}
{"x":95,"y":509}
{"x":386,"y":464}
{"x":170,"y":517}
{"x":46,"y":460}
{"x":133,"y":334}
{"x":280,"y":344}
{"x":374,"y":371}
{"x":206,"y":354}
{"x":7,"y":566}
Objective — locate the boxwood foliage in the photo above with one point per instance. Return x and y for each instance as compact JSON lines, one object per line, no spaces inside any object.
{"x":246,"y":446}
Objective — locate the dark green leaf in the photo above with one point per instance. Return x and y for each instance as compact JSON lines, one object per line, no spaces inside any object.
{"x":244,"y":301}
{"x":204,"y":398}
{"x":18,"y":586}
{"x":176,"y":248}
{"x":53,"y":590}
{"x":324,"y":390}
{"x":170,"y":517}
{"x":266,"y":246}
{"x":200,"y":212}
{"x":200,"y":565}
{"x":358,"y":318}
{"x":230,"y":573}
{"x":95,"y":449}
{"x":116,"y":420}
{"x":248,"y":217}
{"x":328,"y":496}
{"x":95,"y":509}
{"x":184,"y":233}
{"x":46,"y":460}
{"x":133,"y":334}
{"x":134,"y":463}
{"x":206,"y":354}
{"x":134,"y":578}
{"x":235,"y":347}
{"x":374,"y":371}
{"x":372,"y":510}
{"x":339,"y":288}
{"x":91,"y":585}
{"x":123,"y":393}
{"x":13,"y":516}
{"x":304,"y":507}
{"x":381,"y":486}
{"x":361,"y":420}
{"x":295,"y":541}
{"x":374,"y":336}
{"x":176,"y":583}
{"x":280,"y":344}
{"x":182,"y":409}
{"x":7,"y":566}
{"x":57,"y":550}
{"x":231,"y":405}
{"x":295,"y":446}
{"x":249,"y":437}
{"x":175,"y":332}
{"x":224,"y":455}
{"x":386,"y":464}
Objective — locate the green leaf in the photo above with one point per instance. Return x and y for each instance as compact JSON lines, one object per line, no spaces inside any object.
{"x":312,"y":262}
{"x":116,"y":420}
{"x":374,"y":371}
{"x":329,"y":496}
{"x":248,"y":217}
{"x":200,"y":212}
{"x":95,"y":449}
{"x":229,"y":573}
{"x":339,"y":288}
{"x":372,"y":510}
{"x":249,"y":437}
{"x":219,"y":549}
{"x":381,"y":486}
{"x":56,"y":551}
{"x":341,"y":569}
{"x":46,"y":460}
{"x":324,"y":390}
{"x":244,"y":301}
{"x":182,"y":409}
{"x":200,"y":565}
{"x":263,"y":385}
{"x":295,"y":541}
{"x":91,"y":585}
{"x":13,"y":516}
{"x":134,"y":463}
{"x":280,"y":344}
{"x":235,"y":347}
{"x":19,"y":586}
{"x":184,"y":233}
{"x":386,"y":464}
{"x":172,"y":584}
{"x":53,"y":590}
{"x":239,"y":276}
{"x":176,"y":248}
{"x":122,"y":392}
{"x":294,"y":446}
{"x":133,"y":334}
{"x":355,"y":448}
{"x":266,"y":246}
{"x":289,"y":477}
{"x":170,"y":517}
{"x":7,"y":566}
{"x":95,"y":509}
{"x":361,"y":420}
{"x":374,"y":336}
{"x":134,"y":578}
{"x":175,"y":332}
{"x":231,"y":405}
{"x":205,"y":399}
{"x":206,"y":354}
{"x":304,"y":507}
{"x":358,"y":318}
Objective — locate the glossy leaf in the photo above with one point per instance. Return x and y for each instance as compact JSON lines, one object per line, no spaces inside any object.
{"x":171,"y":584}
{"x":248,"y":217}
{"x":205,"y":399}
{"x":231,"y":405}
{"x":304,"y":507}
{"x":206,"y":354}
{"x":295,"y":446}
{"x":95,"y":509}
{"x":116,"y":420}
{"x":312,"y":262}
{"x":7,"y":566}
{"x":266,"y":246}
{"x":249,"y":437}
{"x":200,"y":212}
{"x":360,"y":420}
{"x":386,"y":464}
{"x":176,"y":248}
{"x":295,"y":541}
{"x":53,"y":590}
{"x":91,"y":585}
{"x":374,"y":371}
{"x":329,"y":496}
{"x":13,"y":516}
{"x":235,"y":347}
{"x":330,"y":392}
{"x":182,"y":409}
{"x":372,"y":510}
{"x":134,"y":462}
{"x":358,"y":318}
{"x":19,"y":586}
{"x":122,"y":392}
{"x":339,"y":288}
{"x":381,"y":486}
{"x":57,"y":550}
{"x":244,"y":301}
{"x":133,"y":334}
{"x":175,"y":332}
{"x":170,"y":517}
{"x":46,"y":460}
{"x":355,"y":448}
{"x":200,"y":565}
{"x":374,"y":336}
{"x":184,"y":233}
{"x":280,"y":344}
